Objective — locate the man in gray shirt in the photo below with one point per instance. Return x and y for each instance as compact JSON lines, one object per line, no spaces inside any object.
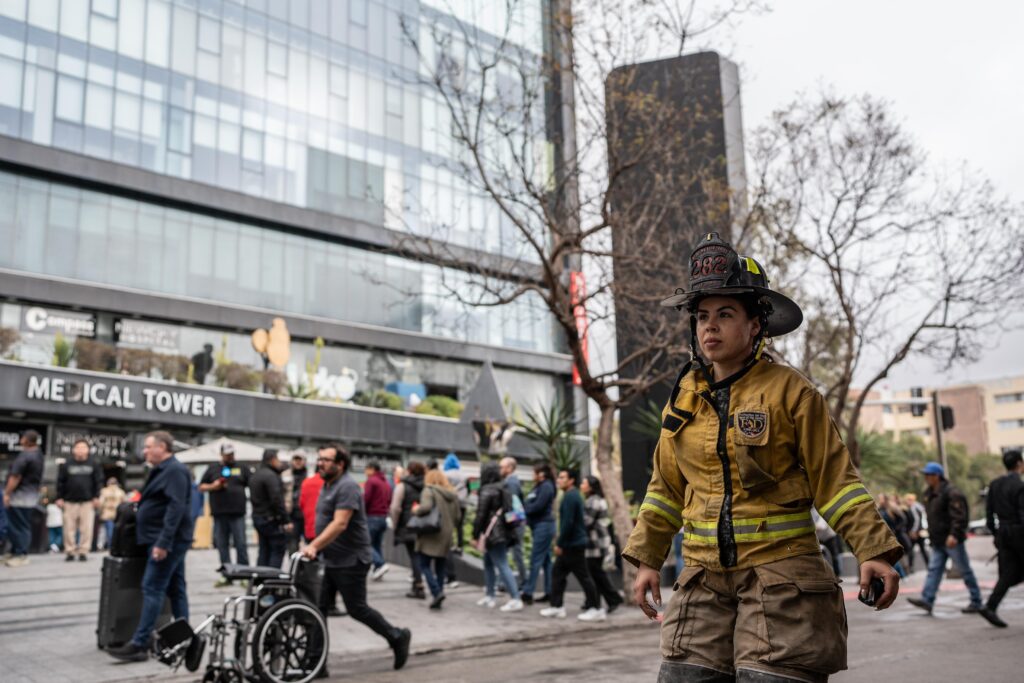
{"x":343,"y":540}
{"x":21,"y":495}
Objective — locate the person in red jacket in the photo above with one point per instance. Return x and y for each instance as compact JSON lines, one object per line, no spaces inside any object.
{"x":309,"y":494}
{"x":377,"y":497}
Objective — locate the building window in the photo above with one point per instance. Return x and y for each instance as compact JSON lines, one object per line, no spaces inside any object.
{"x":70,"y":97}
{"x":1010,"y":398}
{"x":1010,"y":424}
{"x":277,"y":58}
{"x":209,"y":35}
{"x":887,"y":409}
{"x":107,"y":8}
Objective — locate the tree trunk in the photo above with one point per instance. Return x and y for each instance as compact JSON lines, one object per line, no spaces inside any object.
{"x":612,"y":484}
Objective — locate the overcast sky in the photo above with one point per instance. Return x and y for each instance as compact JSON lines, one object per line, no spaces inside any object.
{"x":951,"y":70}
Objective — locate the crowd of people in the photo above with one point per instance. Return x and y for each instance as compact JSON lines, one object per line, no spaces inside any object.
{"x":334,"y":519}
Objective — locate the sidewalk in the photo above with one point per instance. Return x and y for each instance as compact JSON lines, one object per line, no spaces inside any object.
{"x":48,"y":619}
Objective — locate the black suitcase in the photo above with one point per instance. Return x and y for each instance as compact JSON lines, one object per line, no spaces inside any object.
{"x":121,"y":601}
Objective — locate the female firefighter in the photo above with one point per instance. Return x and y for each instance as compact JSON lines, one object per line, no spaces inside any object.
{"x":747,"y":447}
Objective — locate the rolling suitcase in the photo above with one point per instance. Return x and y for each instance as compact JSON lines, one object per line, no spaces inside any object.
{"x":121,"y":601}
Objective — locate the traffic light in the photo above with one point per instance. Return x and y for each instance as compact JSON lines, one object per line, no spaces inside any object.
{"x":947,"y":418}
{"x":917,"y":409}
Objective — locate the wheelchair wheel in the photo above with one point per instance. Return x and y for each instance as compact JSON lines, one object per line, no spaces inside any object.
{"x":289,"y":643}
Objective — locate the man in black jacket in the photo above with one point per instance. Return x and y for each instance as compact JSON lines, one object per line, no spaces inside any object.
{"x":78,"y":494}
{"x":164,"y":526}
{"x":947,"y":530}
{"x":266,"y":493}
{"x":1005,"y":503}
{"x":226,"y":485}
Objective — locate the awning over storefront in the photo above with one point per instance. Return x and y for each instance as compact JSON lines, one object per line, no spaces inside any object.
{"x":44,"y":392}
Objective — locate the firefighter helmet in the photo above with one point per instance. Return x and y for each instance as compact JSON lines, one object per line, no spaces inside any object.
{"x":717,"y":270}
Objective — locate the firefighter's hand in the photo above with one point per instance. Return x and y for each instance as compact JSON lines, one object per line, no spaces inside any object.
{"x":883,"y":570}
{"x":647,"y":578}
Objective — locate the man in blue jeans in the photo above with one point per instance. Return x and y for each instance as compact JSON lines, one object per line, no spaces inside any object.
{"x":164,"y":526}
{"x":540,"y":517}
{"x":947,"y":530}
{"x":226,"y":485}
{"x":21,"y":496}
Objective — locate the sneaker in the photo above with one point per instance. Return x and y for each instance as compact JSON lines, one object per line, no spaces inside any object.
{"x":991,"y":617}
{"x":592,"y":614}
{"x":82,"y":558}
{"x":69,"y":558}
{"x":380,"y":571}
{"x":129,"y":652}
{"x":17,"y":561}
{"x":972,"y":609}
{"x":487,"y":601}
{"x":527,"y":599}
{"x":401,"y":647}
{"x":918,"y":602}
{"x":417,"y":594}
{"x":54,"y":549}
{"x":512,"y":606}
{"x":553,"y":612}
{"x":453,"y":584}
{"x":222,"y":582}
{"x":436,"y":602}
{"x":612,"y":607}
{"x":335,"y":612}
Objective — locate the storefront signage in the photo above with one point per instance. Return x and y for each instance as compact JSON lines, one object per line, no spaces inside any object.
{"x":115,"y":395}
{"x":147,"y":334}
{"x":102,"y":444}
{"x":49,"y":321}
{"x":10,"y":436}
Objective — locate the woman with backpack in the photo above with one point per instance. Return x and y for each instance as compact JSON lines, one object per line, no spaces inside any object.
{"x":407,"y":494}
{"x":432,"y":548}
{"x":492,"y":535}
{"x":599,"y":542}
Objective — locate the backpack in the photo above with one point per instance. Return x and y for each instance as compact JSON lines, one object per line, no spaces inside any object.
{"x":123,"y":542}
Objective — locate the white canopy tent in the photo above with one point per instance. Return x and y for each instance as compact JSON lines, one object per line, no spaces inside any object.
{"x":210,"y":452}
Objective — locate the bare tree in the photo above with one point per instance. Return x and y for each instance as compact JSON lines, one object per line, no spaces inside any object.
{"x":534,"y":135}
{"x":890,"y":257}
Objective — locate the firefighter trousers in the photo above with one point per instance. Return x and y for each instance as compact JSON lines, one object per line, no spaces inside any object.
{"x":784,"y":620}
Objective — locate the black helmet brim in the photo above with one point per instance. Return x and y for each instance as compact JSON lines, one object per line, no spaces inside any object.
{"x":785,"y":317}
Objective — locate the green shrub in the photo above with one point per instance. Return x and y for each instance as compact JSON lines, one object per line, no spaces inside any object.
{"x":379,"y":399}
{"x":441,"y":406}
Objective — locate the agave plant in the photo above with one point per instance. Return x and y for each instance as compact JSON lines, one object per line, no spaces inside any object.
{"x":552,"y":433}
{"x":647,"y":421}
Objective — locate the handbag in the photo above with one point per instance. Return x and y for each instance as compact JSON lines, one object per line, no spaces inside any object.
{"x":423,"y":525}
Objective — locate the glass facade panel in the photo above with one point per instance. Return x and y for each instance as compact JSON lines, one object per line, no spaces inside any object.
{"x":95,"y":237}
{"x":314,"y":75}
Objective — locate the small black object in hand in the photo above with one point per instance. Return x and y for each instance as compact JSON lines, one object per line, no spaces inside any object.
{"x":874,"y":593}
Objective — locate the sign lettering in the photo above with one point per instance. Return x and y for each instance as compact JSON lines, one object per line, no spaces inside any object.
{"x":61,"y":390}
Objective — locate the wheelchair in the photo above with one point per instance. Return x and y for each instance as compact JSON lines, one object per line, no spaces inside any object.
{"x":274,"y":633}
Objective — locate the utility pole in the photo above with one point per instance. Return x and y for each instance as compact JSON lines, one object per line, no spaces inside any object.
{"x":939,"y":440}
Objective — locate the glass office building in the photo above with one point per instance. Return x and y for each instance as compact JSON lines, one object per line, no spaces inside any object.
{"x":200,"y":167}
